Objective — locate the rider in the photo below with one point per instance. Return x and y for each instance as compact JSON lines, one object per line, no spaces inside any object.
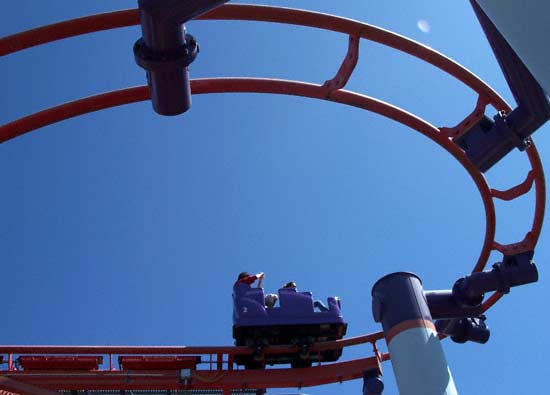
{"x":246,"y":278}
{"x":316,"y":303}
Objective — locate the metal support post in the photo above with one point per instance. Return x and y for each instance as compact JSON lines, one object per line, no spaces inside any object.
{"x":417,"y":357}
{"x":165,"y":52}
{"x":372,"y":382}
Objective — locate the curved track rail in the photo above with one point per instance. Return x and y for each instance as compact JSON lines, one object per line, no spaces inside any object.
{"x":218,"y":374}
{"x":223,"y":376}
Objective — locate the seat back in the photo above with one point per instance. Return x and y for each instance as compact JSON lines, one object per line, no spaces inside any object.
{"x":294,"y":302}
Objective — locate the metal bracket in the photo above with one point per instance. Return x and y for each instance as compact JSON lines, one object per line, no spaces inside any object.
{"x":346,"y":68}
{"x":487,"y":142}
{"x":517,"y":191}
{"x":468,"y":122}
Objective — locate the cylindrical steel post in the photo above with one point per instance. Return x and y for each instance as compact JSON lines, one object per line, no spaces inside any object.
{"x":168,"y":83}
{"x":416,"y":354}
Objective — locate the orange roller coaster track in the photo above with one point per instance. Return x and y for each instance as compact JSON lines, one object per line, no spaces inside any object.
{"x":216,"y":370}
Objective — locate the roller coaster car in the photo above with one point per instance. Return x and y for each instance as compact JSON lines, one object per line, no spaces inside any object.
{"x":294,"y":322}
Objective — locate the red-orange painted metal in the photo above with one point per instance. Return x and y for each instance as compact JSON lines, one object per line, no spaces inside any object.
{"x":229,"y":378}
{"x":141,"y":369}
{"x":517,"y":191}
{"x":147,"y":362}
{"x":181,"y":350}
{"x":346,"y":68}
{"x":48,"y":362}
{"x":65,"y":29}
{"x":18,"y":387}
{"x":218,"y":375}
{"x":469,"y":121}
{"x":197,"y":379}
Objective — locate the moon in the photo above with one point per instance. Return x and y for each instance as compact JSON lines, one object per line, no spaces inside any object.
{"x":424,"y":26}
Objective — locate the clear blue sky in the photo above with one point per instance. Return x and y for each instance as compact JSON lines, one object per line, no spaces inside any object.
{"x":123,"y":227}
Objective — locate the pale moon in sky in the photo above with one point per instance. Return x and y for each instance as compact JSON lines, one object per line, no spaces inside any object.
{"x":424,"y":26}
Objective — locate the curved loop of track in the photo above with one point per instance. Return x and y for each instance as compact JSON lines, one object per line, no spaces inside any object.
{"x":352,"y":28}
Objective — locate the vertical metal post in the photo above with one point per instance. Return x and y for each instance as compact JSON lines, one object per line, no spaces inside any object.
{"x":169,"y":86}
{"x":416,"y":354}
{"x":230,"y":361}
{"x":165,"y":52}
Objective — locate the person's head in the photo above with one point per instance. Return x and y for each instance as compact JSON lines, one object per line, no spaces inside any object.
{"x":243,"y":275}
{"x":291,"y":284}
{"x":270,"y":300}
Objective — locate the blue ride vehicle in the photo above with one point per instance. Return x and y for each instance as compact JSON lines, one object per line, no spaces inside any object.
{"x":298,"y":320}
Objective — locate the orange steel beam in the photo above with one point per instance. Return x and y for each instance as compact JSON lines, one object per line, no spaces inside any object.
{"x":182,"y":350}
{"x":215,"y":378}
{"x":18,"y":387}
{"x":199,"y":379}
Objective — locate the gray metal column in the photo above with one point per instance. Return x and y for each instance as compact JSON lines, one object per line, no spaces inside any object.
{"x":525,"y":27}
{"x":416,"y":354}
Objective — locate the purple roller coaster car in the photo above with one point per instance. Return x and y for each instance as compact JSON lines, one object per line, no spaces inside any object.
{"x":294,"y":322}
{"x":295,"y":308}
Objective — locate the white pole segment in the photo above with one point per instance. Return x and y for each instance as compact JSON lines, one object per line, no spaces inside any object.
{"x":419,"y":364}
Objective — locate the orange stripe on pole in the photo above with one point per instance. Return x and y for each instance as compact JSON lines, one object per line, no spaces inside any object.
{"x":409,"y":324}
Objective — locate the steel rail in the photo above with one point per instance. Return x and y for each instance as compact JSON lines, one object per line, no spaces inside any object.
{"x":168,"y":350}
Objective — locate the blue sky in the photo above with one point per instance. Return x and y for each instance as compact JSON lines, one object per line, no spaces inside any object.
{"x":124,"y":227}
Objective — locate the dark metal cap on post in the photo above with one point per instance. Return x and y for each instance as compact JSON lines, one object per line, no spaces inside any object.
{"x":398,"y":297}
{"x":167,"y":75}
{"x":165,"y":52}
{"x":372,"y":382}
